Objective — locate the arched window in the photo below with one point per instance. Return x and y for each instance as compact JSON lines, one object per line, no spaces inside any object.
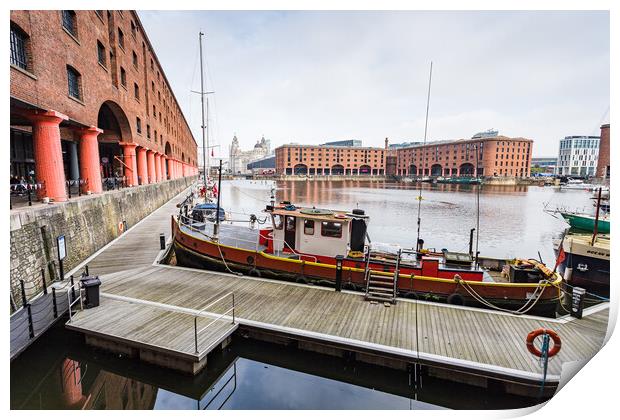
{"x":20,"y":43}
{"x":121,"y":39}
{"x":69,"y":22}
{"x":101,"y":56}
{"x":75,"y":83}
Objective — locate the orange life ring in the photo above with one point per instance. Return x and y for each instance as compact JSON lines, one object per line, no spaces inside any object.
{"x":340,"y":216}
{"x":121,"y":226}
{"x":557,"y":343}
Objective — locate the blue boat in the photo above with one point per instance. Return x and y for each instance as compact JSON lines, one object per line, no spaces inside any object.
{"x":206,"y":212}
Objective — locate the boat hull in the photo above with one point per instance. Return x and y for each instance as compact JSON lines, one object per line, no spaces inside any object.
{"x":585,"y":224}
{"x":205,"y":254}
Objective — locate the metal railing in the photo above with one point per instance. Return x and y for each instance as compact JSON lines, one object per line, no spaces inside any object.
{"x":235,"y":240}
{"x":199,"y":314}
{"x":72,"y":301}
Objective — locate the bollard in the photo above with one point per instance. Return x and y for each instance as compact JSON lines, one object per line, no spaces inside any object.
{"x":86,"y":270}
{"x":24,"y":300}
{"x":339,"y":259}
{"x":43,"y":281}
{"x":30,"y":324}
{"x":72,"y":292}
{"x":54,"y":302}
{"x":162,"y":241}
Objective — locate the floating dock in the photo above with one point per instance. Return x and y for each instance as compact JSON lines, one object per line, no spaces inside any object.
{"x":153,"y":312}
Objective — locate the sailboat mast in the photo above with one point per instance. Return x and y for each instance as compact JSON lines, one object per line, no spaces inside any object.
{"x":598,"y":208}
{"x":428,"y":99}
{"x":202,"y":102}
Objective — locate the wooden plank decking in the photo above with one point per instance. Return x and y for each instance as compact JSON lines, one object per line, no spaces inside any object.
{"x":151,"y":304}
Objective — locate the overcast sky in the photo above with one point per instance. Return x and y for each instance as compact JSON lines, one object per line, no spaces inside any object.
{"x":310,"y":77}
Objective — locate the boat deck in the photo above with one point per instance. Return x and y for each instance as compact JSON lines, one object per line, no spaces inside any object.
{"x":150,"y":306}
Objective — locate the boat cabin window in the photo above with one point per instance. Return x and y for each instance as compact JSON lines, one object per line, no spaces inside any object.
{"x":277,"y":221}
{"x":309,"y":227}
{"x":331,"y":229}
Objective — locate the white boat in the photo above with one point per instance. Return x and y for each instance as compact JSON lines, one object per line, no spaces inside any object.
{"x":576,"y":184}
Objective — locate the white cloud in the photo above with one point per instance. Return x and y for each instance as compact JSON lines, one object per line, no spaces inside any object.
{"x":314,"y":76}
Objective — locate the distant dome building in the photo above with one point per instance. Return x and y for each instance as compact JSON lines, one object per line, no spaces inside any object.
{"x":239,"y":159}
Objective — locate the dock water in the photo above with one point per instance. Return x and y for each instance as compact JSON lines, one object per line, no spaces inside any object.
{"x":148,"y":311}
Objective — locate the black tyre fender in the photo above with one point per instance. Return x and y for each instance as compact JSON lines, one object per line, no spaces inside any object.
{"x":456,"y":299}
{"x":411,"y":295}
{"x":301,"y":279}
{"x":255,"y":272}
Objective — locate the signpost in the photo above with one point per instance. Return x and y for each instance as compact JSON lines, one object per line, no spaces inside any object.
{"x":62,"y":253}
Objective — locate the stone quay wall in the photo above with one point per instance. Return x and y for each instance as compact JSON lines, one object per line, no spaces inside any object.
{"x":88,"y":223}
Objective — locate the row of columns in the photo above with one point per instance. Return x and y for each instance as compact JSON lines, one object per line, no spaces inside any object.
{"x":141,"y":165}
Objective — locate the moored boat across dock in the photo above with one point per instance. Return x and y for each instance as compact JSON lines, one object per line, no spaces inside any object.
{"x":332,"y":248}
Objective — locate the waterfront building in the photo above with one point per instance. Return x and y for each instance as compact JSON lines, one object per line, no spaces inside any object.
{"x":602,"y":166}
{"x":545,"y":165}
{"x":295,"y":159}
{"x":263,"y":165}
{"x":89,"y":99}
{"x":578,"y":155}
{"x":497,"y":156}
{"x":238,"y":159}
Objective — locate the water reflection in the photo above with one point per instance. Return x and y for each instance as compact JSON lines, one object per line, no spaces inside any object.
{"x":60,"y":372}
{"x":512,"y":221}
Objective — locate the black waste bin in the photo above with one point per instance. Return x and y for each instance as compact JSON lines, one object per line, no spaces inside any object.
{"x":91,"y":289}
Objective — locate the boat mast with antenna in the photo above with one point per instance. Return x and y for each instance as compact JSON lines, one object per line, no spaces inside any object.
{"x":428,"y":100}
{"x":205,"y":138}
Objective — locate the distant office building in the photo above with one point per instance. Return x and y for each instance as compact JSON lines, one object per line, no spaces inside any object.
{"x":295,"y":159}
{"x":486,"y":134}
{"x":544,"y":165}
{"x":497,"y":156}
{"x":404,"y":144}
{"x":239,"y":159}
{"x":344,"y":143}
{"x":578,"y":155}
{"x":268,"y":162}
{"x":602,"y":166}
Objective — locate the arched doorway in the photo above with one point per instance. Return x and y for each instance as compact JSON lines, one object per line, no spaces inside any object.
{"x":364,"y":170}
{"x":466,"y":169}
{"x":168,"y":152}
{"x":436,"y":170}
{"x":337,"y":170}
{"x":115,"y":125}
{"x":300,"y":169}
{"x":413,"y":170}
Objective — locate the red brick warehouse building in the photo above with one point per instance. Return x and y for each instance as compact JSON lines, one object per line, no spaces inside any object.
{"x":497,"y":156}
{"x":90,"y":100}
{"x":292,"y":159}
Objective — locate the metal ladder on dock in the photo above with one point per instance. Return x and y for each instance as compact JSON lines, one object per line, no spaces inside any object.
{"x":380,"y":286}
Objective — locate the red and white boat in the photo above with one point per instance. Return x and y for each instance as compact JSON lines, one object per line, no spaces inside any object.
{"x":307,"y":245}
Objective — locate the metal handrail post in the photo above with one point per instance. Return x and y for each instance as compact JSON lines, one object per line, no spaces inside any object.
{"x":196,"y":333}
{"x":233,"y":307}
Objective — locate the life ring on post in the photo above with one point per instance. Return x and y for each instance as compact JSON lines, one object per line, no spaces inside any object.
{"x":121,"y":227}
{"x":557,"y":343}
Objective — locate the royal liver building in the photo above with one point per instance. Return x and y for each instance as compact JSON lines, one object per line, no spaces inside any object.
{"x":239,"y":159}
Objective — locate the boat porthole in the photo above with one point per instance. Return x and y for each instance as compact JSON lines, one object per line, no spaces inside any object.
{"x":456,"y":299}
{"x":250,"y":260}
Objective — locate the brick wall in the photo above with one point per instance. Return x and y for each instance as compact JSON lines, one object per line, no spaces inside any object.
{"x":52,"y":48}
{"x":603,"y":153}
{"x":88,"y":224}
